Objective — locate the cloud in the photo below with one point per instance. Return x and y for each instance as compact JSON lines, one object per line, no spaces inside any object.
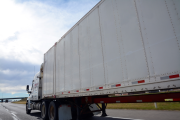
{"x":28,"y":29}
{"x":11,"y":71}
{"x":13,"y":37}
{"x":15,"y":75}
{"x":11,"y":89}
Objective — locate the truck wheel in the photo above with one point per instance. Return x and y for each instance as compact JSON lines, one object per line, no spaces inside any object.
{"x":27,"y":110}
{"x":44,"y":110}
{"x":53,"y":111}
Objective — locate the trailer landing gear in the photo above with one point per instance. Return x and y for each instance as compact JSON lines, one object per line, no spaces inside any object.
{"x":104,"y":110}
{"x":78,"y":103}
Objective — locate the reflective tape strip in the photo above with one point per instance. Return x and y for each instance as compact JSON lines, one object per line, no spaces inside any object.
{"x":113,"y":85}
{"x":176,"y":99}
{"x":174,"y":76}
{"x":86,"y":89}
{"x":141,"y":81}
{"x":137,"y":82}
{"x":138,"y":100}
{"x":117,"y":101}
{"x":169,"y":77}
{"x":168,"y":100}
{"x":116,"y":85}
{"x":164,"y":78}
{"x":101,"y":101}
{"x":99,"y":88}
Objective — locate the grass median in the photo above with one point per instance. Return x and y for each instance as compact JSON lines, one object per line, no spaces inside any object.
{"x":23,"y":101}
{"x":146,"y":106}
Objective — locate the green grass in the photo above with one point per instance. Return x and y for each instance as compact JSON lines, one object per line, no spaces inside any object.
{"x":145,"y":106}
{"x":23,"y":101}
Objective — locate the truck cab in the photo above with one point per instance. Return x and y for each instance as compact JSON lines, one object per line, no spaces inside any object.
{"x":35,"y":95}
{"x":36,"y":89}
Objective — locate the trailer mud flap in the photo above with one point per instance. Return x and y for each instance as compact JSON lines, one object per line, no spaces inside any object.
{"x":64,"y":112}
{"x":93,"y":107}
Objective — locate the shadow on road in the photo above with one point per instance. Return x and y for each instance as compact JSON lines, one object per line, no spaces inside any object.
{"x":36,"y":114}
{"x":105,"y":118}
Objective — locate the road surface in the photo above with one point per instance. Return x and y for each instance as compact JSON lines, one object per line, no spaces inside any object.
{"x":11,"y":111}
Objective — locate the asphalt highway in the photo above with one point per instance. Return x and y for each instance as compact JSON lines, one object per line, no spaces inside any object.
{"x":11,"y":111}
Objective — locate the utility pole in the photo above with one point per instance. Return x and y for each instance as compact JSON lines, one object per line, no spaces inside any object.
{"x":2,"y":97}
{"x":34,"y":70}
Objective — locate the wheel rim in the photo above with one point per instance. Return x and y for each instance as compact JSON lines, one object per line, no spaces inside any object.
{"x":43,"y":111}
{"x":51,"y":112}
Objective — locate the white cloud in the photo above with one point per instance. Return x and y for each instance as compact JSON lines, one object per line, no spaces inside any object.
{"x":38,"y":25}
{"x":35,"y":33}
{"x":5,"y":88}
{"x":28,"y":30}
{"x":13,"y":72}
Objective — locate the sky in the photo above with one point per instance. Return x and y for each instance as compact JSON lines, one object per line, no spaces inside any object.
{"x":28,"y":28}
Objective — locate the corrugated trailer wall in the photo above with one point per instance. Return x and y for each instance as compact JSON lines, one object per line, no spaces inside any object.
{"x":48,"y":78}
{"x":121,"y":45}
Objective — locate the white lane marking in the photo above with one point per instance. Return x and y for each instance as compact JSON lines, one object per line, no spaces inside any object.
{"x":120,"y":117}
{"x":124,"y":118}
{"x":108,"y":116}
{"x":13,"y":114}
{"x":14,"y":118}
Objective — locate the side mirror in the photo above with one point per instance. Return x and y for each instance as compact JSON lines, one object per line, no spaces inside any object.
{"x":27,"y":88}
{"x":38,"y":77}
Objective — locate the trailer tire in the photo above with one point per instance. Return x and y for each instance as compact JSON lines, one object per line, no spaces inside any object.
{"x":53,"y":111}
{"x":27,"y":110}
{"x":44,"y":110}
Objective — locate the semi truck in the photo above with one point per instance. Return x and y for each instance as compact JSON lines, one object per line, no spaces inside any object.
{"x":125,"y":47}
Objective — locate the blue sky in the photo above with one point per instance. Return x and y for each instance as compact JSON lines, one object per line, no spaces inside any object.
{"x":28,"y":29}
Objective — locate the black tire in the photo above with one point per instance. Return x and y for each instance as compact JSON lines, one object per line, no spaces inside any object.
{"x":53,"y":111}
{"x":27,"y":110}
{"x":44,"y":110}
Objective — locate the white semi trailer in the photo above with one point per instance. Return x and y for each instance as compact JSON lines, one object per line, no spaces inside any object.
{"x":119,"y":46}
